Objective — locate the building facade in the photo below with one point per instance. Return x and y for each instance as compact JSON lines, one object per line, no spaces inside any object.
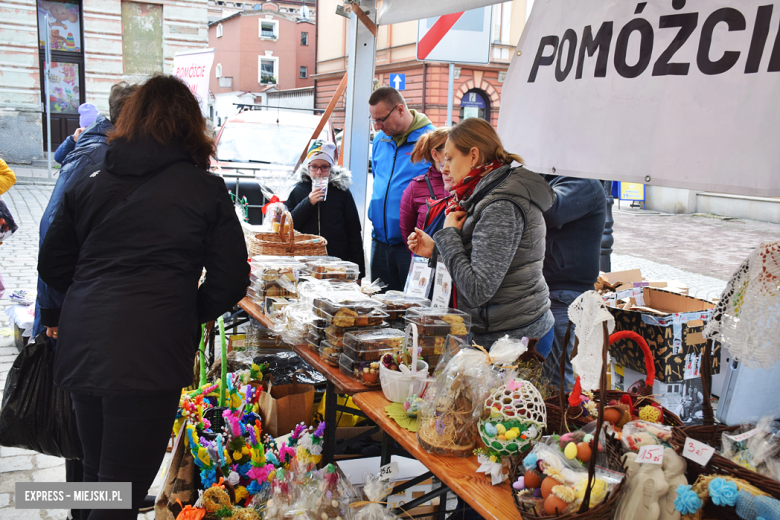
{"x":94,"y":44}
{"x":477,"y":90}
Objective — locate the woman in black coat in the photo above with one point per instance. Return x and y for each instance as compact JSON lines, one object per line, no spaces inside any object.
{"x":128,"y":247}
{"x":335,"y":218}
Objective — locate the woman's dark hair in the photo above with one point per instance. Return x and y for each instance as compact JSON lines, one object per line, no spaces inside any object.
{"x":164,"y":109}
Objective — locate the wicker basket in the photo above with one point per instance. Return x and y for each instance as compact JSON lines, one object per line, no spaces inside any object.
{"x":709,"y":432}
{"x":605,"y":509}
{"x":293,"y":244}
{"x":559,"y":417}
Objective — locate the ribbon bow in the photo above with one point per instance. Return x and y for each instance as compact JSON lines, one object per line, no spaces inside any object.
{"x":273,"y":200}
{"x":489,"y":359}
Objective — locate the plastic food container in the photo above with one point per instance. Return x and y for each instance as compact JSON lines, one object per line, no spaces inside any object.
{"x":332,"y":303}
{"x":335,"y":335}
{"x":378,"y":339}
{"x":365,"y":372}
{"x":367,"y":355}
{"x":333,"y":270}
{"x":439,"y":322}
{"x":313,"y":345}
{"x":329,"y":353}
{"x":397,"y":303}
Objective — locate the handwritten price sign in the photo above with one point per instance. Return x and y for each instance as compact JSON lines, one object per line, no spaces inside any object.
{"x":651,"y":454}
{"x":698,"y":452}
{"x":743,"y":436}
{"x":388,"y":471}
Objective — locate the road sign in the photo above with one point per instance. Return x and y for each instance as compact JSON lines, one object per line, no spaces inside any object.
{"x":398,"y":81}
{"x":456,"y":38}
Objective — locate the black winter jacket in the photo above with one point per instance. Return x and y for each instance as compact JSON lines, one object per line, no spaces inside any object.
{"x":132,"y":310}
{"x":336,"y":218}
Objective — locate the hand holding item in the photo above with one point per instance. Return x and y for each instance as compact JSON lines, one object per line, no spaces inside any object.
{"x":420,"y":243}
{"x":316,"y":195}
{"x":455,"y":219}
{"x":51,"y":332}
{"x":77,"y":133}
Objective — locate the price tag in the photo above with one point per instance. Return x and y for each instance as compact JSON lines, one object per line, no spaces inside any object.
{"x":388,"y":471}
{"x":697,"y":451}
{"x":651,"y":454}
{"x":743,"y":436}
{"x":442,"y":288}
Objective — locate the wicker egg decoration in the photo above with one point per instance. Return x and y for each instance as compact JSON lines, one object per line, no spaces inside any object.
{"x":517,"y":405}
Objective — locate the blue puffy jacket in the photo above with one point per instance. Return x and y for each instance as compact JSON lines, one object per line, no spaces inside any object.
{"x":74,"y":157}
{"x":393,"y":171}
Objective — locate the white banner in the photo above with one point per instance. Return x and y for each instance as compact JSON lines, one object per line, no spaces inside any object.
{"x":397,"y":11}
{"x":673,"y":93}
{"x":194,"y":68}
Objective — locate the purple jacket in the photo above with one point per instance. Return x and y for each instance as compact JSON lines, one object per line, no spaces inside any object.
{"x":413,"y":207}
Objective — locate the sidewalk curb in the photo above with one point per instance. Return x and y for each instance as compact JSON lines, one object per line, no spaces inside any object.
{"x":30,"y":181}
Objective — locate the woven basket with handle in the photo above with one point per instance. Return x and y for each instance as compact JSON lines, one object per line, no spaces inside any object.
{"x":605,"y":509}
{"x":280,"y":243}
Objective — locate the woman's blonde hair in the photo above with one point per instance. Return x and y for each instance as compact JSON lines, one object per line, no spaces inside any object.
{"x":474,"y":132}
{"x":429,"y":142}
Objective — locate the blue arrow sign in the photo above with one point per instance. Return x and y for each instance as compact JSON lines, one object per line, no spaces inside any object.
{"x":398,"y":81}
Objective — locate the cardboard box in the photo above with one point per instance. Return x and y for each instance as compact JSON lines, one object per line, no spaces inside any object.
{"x":672,"y":326}
{"x":633,"y":278}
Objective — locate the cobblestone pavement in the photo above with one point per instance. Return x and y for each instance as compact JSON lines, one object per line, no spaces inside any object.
{"x":700,"y":252}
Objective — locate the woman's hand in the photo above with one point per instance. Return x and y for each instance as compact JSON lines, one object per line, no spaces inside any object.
{"x":316,"y":195}
{"x":455,"y":219}
{"x":51,"y":332}
{"x":420,"y":243}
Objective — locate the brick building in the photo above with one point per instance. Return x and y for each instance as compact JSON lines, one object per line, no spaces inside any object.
{"x":477,"y":87}
{"x":95,"y":43}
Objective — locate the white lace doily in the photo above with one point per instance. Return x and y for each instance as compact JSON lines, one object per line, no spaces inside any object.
{"x":746,"y":320}
{"x":588,"y":312}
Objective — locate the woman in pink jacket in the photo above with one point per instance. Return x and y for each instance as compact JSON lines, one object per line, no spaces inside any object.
{"x":429,"y":147}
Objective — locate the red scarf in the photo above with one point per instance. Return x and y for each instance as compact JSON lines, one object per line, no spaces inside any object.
{"x":465,"y":188}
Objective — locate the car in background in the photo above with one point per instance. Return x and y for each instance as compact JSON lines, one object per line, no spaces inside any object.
{"x":264,"y":145}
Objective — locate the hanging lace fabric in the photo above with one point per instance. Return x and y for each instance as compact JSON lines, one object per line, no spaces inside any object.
{"x":746,"y":320}
{"x":588,"y":312}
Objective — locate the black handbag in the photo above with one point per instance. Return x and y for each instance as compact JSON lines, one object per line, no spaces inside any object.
{"x":7,"y":225}
{"x":37,"y":415}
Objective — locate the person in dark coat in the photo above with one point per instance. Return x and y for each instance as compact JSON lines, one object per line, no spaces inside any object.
{"x":86,"y":147}
{"x":127,"y":248}
{"x":330,"y":213}
{"x":575,"y":225}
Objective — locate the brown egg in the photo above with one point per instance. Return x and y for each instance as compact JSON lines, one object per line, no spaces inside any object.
{"x":584,"y":451}
{"x":552,"y":503}
{"x":532,"y":479}
{"x":547,"y":485}
{"x":612,"y":415}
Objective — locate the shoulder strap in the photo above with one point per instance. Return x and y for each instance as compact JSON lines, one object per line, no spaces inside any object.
{"x":430,"y":187}
{"x":490,"y":187}
{"x":125,"y":192}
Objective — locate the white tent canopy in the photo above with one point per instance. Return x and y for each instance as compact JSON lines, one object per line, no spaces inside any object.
{"x":397,"y":11}
{"x":661,"y":93}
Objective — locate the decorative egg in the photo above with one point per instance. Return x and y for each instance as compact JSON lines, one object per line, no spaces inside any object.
{"x":501,"y":437}
{"x":532,"y":479}
{"x":588,"y":437}
{"x":554,"y":506}
{"x":570,"y":451}
{"x":511,"y":434}
{"x":490,"y":430}
{"x":500,"y":429}
{"x":612,"y":415}
{"x":584,"y":452}
{"x":547,"y":485}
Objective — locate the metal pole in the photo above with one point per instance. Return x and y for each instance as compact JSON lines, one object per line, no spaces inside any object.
{"x":450,"y":94}
{"x":47,"y":74}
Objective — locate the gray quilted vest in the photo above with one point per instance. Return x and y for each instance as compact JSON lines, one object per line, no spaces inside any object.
{"x":523,"y":296}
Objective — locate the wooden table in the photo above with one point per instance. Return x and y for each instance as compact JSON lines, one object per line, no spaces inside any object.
{"x":459,"y":474}
{"x":254,"y":310}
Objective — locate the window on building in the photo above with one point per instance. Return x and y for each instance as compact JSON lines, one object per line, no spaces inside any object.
{"x":304,"y":73}
{"x":304,"y":38}
{"x":218,"y":70}
{"x":226,"y":82}
{"x":219,"y":30}
{"x":269,"y":70}
{"x":269,"y":29}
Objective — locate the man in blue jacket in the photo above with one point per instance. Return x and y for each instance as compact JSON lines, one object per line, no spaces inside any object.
{"x":393,"y":170}
{"x":575,"y":224}
{"x":86,"y":147}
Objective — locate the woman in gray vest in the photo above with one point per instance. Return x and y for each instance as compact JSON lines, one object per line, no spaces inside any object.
{"x":493,"y":238}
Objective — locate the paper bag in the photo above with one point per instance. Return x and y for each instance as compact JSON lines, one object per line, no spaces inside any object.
{"x":283,"y":407}
{"x":180,"y":481}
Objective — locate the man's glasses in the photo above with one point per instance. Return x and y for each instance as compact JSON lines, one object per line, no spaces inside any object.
{"x":383,"y":119}
{"x":323,"y":169}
